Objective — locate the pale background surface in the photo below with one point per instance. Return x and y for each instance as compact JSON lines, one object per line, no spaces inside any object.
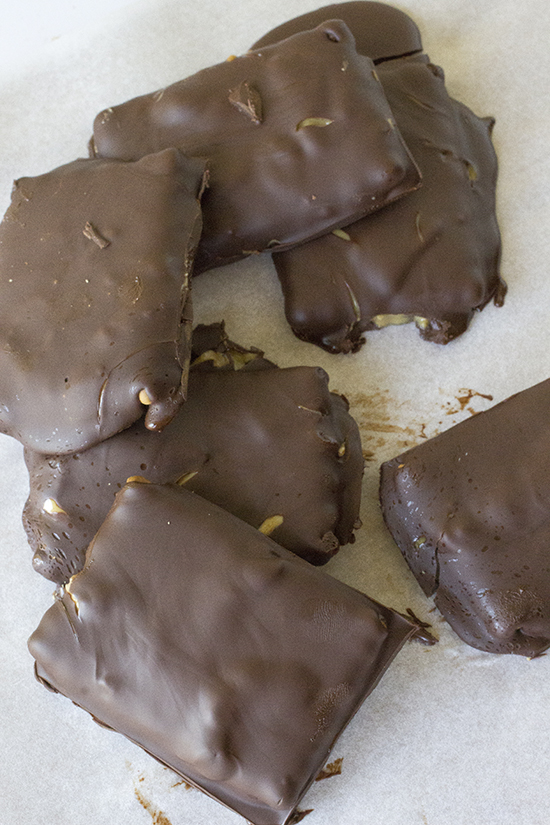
{"x":452,"y":736}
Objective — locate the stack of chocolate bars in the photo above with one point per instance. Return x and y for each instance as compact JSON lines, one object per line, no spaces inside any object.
{"x":184,"y":489}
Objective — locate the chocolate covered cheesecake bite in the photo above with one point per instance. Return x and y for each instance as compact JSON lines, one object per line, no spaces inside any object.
{"x":95,"y":317}
{"x":432,"y":257}
{"x":299,"y":139}
{"x":273,"y":446}
{"x":227,"y":658}
{"x":381,"y":32}
{"x":470,"y":511}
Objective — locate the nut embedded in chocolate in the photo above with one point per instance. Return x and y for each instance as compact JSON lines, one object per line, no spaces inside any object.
{"x":470,"y":511}
{"x":224,"y":656}
{"x":272,"y":184}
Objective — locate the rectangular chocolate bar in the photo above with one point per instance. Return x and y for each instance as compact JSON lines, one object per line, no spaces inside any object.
{"x":223,"y":655}
{"x":470,"y":511}
{"x":95,"y":316}
{"x":299,"y":139}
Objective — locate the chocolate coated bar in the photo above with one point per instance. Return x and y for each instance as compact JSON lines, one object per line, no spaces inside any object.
{"x":470,"y":512}
{"x":298,"y":136}
{"x":223,"y":655}
{"x":273,"y":446}
{"x":95,"y":321}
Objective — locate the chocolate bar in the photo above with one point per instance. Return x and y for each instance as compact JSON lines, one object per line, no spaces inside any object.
{"x":95,"y":321}
{"x":273,"y":446}
{"x":298,"y":136}
{"x":432,"y":257}
{"x":223,"y":655}
{"x":381,"y":31}
{"x":470,"y":512}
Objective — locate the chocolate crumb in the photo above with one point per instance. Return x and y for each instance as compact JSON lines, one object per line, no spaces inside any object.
{"x":332,"y":769}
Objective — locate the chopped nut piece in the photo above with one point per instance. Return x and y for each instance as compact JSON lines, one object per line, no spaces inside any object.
{"x":241,"y":359}
{"x":186,"y":477}
{"x":144,"y":398}
{"x":342,"y":450}
{"x":139,"y":479}
{"x":472,"y":171}
{"x":381,"y":321}
{"x":309,"y":409}
{"x":355,"y":302}
{"x":270,"y":524}
{"x":219,"y":359}
{"x":341,"y":234}
{"x":314,"y":121}
{"x":52,"y":507}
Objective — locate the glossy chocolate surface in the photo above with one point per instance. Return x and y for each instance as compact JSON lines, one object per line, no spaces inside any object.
{"x":223,"y":655}
{"x":470,"y":511}
{"x":273,"y":446}
{"x":433,"y":256}
{"x":381,"y":31}
{"x":95,"y":258}
{"x":298,"y":136}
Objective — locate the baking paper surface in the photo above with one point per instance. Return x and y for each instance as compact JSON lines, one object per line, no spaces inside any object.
{"x":451,"y":736}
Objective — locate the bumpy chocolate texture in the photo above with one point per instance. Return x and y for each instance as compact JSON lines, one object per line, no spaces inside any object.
{"x":381,"y":31}
{"x":432,"y":257}
{"x":298,"y":136}
{"x":273,"y":446}
{"x":95,"y":321}
{"x":470,"y":511}
{"x":223,"y":655}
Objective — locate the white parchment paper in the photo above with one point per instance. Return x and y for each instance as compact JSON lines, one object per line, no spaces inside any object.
{"x":451,"y":736}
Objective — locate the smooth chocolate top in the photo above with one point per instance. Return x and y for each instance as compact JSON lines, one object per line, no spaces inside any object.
{"x":470,"y":510}
{"x":273,"y":446}
{"x":223,"y":655}
{"x":298,"y":136}
{"x":433,"y":256}
{"x":381,"y":32}
{"x":94,"y":275}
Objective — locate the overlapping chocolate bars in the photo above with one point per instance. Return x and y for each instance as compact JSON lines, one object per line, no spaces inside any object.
{"x":470,"y":512}
{"x":431,"y":257}
{"x":273,"y":446}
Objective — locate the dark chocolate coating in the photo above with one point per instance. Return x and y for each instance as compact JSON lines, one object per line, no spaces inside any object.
{"x":470,"y":511}
{"x":298,"y":136}
{"x":223,"y":655}
{"x":432,"y":256}
{"x":95,"y":260}
{"x":381,"y":31}
{"x":262,"y":443}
